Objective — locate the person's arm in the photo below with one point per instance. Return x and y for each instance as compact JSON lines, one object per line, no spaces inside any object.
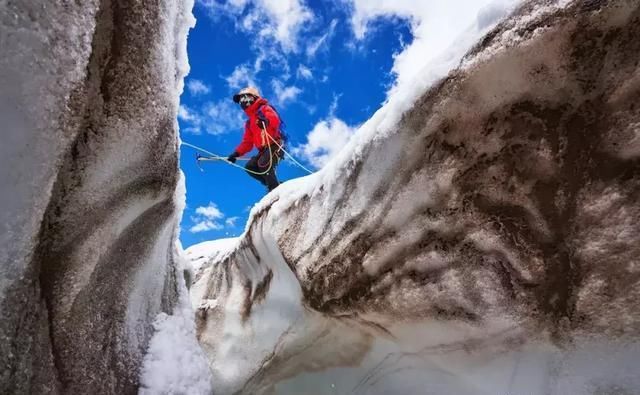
{"x":246,"y":144}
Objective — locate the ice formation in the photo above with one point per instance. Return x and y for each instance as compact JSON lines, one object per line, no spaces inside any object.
{"x":89,"y":167}
{"x":481,"y":236}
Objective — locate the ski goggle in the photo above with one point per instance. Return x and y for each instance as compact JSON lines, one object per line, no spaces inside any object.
{"x":246,"y":100}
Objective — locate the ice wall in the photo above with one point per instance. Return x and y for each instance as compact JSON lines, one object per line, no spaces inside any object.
{"x":88,"y":168}
{"x":486,"y":240}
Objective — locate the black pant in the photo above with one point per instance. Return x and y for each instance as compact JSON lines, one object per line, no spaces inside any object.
{"x":260,"y":163}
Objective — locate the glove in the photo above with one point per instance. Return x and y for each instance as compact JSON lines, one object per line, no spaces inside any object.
{"x":232,"y":158}
{"x":262,"y":123}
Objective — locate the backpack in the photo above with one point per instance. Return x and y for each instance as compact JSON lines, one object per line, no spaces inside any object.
{"x":283,"y":124}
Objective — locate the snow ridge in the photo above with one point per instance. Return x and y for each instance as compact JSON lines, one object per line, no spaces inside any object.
{"x":466,"y":241}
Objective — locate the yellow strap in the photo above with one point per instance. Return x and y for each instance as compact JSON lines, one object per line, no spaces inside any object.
{"x":270,"y":157}
{"x":262,"y":135}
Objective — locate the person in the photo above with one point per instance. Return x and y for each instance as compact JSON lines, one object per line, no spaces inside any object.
{"x":262,"y":131}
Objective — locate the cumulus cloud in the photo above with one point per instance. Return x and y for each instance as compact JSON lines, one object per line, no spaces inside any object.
{"x":197,"y":87}
{"x":324,"y":141}
{"x":284,"y":94}
{"x":435,"y":26}
{"x":209,"y":218}
{"x":206,"y":219}
{"x":210,"y":212}
{"x":289,"y":16}
{"x":268,"y":20}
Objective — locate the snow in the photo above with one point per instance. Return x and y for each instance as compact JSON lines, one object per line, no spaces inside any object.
{"x":404,"y":95}
{"x":88,"y":165}
{"x":383,"y":123}
{"x":32,"y":97}
{"x":175,"y":362}
{"x":265,"y":324}
{"x":208,"y":251}
{"x":467,"y":328}
{"x":435,"y":26}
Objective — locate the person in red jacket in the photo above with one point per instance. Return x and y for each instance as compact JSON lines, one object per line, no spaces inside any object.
{"x":262,"y":131}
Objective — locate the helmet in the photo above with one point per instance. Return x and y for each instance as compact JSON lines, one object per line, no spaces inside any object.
{"x":250,"y":90}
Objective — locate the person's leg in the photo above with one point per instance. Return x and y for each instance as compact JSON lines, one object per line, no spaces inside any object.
{"x":252,"y":167}
{"x":261,"y":163}
{"x":271,"y":179}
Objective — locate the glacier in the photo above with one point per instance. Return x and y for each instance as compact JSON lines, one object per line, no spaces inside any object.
{"x":480,"y":234}
{"x":91,"y":196}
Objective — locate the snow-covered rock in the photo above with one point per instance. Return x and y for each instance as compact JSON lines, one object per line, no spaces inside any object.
{"x":88,"y":206}
{"x":482,"y":237}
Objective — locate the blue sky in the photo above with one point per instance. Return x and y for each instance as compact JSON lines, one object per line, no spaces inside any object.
{"x":342,"y":81}
{"x":326,"y":67}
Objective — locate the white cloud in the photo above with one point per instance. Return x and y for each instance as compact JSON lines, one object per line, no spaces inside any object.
{"x":230,"y":6}
{"x":286,"y":19}
{"x":274,"y":29}
{"x":326,"y":139}
{"x":197,"y":87}
{"x":304,"y":72}
{"x":284,"y":94}
{"x":334,"y":105}
{"x":205,"y":226}
{"x":242,"y":76}
{"x":206,"y":219}
{"x":186,"y":114}
{"x":193,"y":130}
{"x":268,"y":20}
{"x":435,"y":26}
{"x":213,"y":117}
{"x":191,"y":118}
{"x":209,"y":218}
{"x":211,"y":211}
{"x":223,"y":117}
{"x":321,"y":42}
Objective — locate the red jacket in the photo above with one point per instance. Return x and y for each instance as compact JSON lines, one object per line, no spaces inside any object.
{"x":253,"y":134}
